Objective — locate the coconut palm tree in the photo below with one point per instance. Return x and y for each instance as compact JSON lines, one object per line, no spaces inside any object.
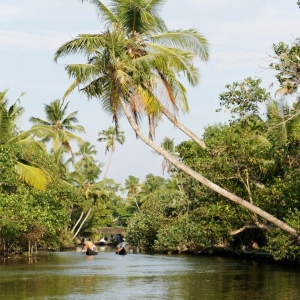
{"x":141,"y":17}
{"x":84,"y":177}
{"x":284,"y":127}
{"x":132,"y":186}
{"x":58,"y":126}
{"x":111,"y":136}
{"x":155,"y":45}
{"x":283,"y":120}
{"x":126,"y":74}
{"x":61,"y":162}
{"x":8,"y":117}
{"x":168,"y":145}
{"x":27,"y":170}
{"x":86,"y":153}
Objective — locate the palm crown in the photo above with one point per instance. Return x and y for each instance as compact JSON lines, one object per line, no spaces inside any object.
{"x":111,"y":136}
{"x":8,"y":117}
{"x":27,"y":170}
{"x":86,"y":153}
{"x":58,"y":126}
{"x":136,"y":58}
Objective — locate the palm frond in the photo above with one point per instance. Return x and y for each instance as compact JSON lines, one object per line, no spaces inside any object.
{"x":104,"y":13}
{"x":83,"y":72}
{"x":84,"y":43}
{"x":39,"y":121}
{"x":178,"y":61}
{"x":286,"y":90}
{"x":189,"y":40}
{"x":71,"y":88}
{"x":32,"y":176}
{"x":28,"y":142}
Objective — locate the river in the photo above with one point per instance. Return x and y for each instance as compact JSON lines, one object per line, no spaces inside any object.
{"x":71,"y":275}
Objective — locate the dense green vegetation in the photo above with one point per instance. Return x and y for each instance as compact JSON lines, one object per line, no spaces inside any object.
{"x":237,"y":188}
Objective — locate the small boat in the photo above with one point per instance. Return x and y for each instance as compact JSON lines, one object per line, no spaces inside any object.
{"x":91,"y":252}
{"x":121,"y":251}
{"x":104,"y":241}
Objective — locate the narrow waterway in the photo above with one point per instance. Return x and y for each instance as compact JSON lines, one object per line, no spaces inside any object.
{"x":71,"y":275}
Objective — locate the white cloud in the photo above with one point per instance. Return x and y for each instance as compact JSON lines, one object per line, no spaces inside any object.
{"x":8,"y":12}
{"x":22,"y":40}
{"x":236,"y":23}
{"x":43,"y":40}
{"x":252,"y":32}
{"x":235,"y":59}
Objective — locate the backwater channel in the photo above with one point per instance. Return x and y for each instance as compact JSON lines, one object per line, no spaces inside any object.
{"x":71,"y":275}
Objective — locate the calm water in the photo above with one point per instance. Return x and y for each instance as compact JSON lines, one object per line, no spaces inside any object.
{"x":71,"y":275}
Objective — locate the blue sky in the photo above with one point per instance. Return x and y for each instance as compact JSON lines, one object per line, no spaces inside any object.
{"x":240,"y":33}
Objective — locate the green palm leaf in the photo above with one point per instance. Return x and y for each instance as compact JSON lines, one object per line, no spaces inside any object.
{"x":189,"y":40}
{"x":32,"y":176}
{"x":104,"y":13}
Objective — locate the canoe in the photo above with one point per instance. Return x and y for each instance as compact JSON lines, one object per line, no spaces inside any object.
{"x":121,"y":251}
{"x":91,"y":252}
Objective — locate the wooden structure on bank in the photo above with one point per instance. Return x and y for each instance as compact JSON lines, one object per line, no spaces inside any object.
{"x":111,"y":230}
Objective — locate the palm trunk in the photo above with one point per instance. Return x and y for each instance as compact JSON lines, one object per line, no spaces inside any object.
{"x":77,"y":222}
{"x":180,"y":126}
{"x":108,"y":164}
{"x":83,"y":221}
{"x":70,"y":214}
{"x":137,"y":204}
{"x":204,"y":180}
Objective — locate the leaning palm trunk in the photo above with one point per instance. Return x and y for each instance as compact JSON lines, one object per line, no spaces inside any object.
{"x":204,"y":180}
{"x":137,"y":204}
{"x":83,"y":221}
{"x":73,"y":229}
{"x":180,"y":126}
{"x":108,"y":164}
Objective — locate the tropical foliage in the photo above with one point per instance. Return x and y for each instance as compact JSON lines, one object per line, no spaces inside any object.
{"x":135,"y":67}
{"x":286,"y":62}
{"x":125,"y":71}
{"x":58,"y":126}
{"x":27,"y":170}
{"x":253,"y":157}
{"x":111,"y":136}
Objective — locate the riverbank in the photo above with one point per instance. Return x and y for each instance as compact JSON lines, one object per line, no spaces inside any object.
{"x":256,"y":255}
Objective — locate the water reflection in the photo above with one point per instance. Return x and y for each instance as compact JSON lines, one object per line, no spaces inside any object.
{"x":71,"y":275}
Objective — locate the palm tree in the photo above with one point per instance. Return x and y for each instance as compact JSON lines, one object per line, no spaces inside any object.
{"x":111,"y":136}
{"x":140,"y":18}
{"x":8,"y":117}
{"x":132,"y":185}
{"x":27,"y":170}
{"x":84,"y":177}
{"x":150,"y":44}
{"x":86,"y":152}
{"x":283,"y":120}
{"x":63,"y":165}
{"x":126,"y":72}
{"x":284,"y":127}
{"x":168,"y":145}
{"x":58,"y":126}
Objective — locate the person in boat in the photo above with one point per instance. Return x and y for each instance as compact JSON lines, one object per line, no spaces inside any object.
{"x":123,"y":244}
{"x":120,"y":245}
{"x":89,"y":245}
